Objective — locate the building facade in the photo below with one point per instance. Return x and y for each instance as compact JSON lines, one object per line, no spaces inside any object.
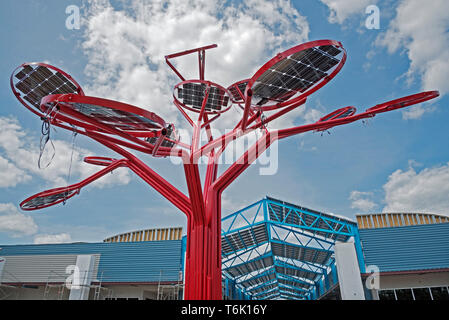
{"x":109,"y":270}
{"x":270,"y":250}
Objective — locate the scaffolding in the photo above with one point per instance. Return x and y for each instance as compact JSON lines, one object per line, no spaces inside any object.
{"x":54,"y":282}
{"x":7,"y":290}
{"x":169,"y":291}
{"x":99,"y":289}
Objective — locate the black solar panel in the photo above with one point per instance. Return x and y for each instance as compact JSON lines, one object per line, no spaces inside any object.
{"x":119,"y":119}
{"x":338,"y":114}
{"x":39,"y":202}
{"x":307,"y":254}
{"x":263,"y":288}
{"x":258,"y":280}
{"x":345,"y":114}
{"x":292,"y":292}
{"x":296,"y":73}
{"x":36,"y":82}
{"x":293,"y":283}
{"x":171,"y":134}
{"x":192,"y":95}
{"x":278,"y":212}
{"x":293,"y":271}
{"x":250,"y":266}
{"x":244,"y":238}
{"x":237,"y":91}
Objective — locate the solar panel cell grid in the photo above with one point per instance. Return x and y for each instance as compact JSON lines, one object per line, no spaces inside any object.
{"x":39,"y":81}
{"x":192,"y":94}
{"x":44,"y":201}
{"x":295,"y":73}
{"x":116,"y":118}
{"x":333,"y":51}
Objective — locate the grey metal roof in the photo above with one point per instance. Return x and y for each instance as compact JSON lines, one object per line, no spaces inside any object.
{"x":407,"y":248}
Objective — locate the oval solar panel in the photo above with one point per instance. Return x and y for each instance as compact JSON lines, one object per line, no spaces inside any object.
{"x":48,"y":198}
{"x":403,"y":102}
{"x":296,"y":73}
{"x":31,"y":82}
{"x":337,"y":114}
{"x":109,"y":114}
{"x":170,"y":138}
{"x":237,"y":91}
{"x":191,"y":94}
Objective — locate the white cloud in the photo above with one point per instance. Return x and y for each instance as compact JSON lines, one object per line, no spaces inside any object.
{"x":15,"y":223}
{"x":361,"y":201}
{"x":52,"y":238}
{"x":340,"y":10}
{"x":312,"y":115}
{"x":126,"y":49}
{"x":22,"y":153}
{"x":10,"y":175}
{"x":424,"y":191}
{"x":420,"y":30}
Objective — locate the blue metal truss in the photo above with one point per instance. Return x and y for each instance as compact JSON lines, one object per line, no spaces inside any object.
{"x":275,"y":249}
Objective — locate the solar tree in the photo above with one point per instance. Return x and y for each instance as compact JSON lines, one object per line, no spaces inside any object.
{"x":280,"y":86}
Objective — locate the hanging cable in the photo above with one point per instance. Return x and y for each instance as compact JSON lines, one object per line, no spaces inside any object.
{"x":46,"y":137}
{"x":71,"y":162}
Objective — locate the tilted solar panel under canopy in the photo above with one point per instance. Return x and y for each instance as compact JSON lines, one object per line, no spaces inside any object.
{"x":111,"y":114}
{"x":267,"y":287}
{"x":237,"y":91}
{"x":46,"y":201}
{"x":291,"y":291}
{"x":35,"y":81}
{"x":307,"y":254}
{"x":258,"y":280}
{"x":291,"y":270}
{"x":285,"y":246}
{"x":281,"y":211}
{"x":244,"y":239}
{"x":192,"y":95}
{"x":295,"y":74}
{"x":250,"y":266}
{"x":293,"y":283}
{"x":170,"y":142}
{"x":339,"y":114}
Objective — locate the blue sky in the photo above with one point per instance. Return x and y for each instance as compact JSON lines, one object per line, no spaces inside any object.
{"x":397,"y":162}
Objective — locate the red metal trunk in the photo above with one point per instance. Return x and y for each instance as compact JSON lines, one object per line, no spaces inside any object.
{"x":203,"y":256}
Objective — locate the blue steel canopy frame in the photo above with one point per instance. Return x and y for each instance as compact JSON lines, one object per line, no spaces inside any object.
{"x":274,"y":249}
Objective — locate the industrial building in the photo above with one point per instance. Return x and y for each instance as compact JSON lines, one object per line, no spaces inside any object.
{"x":270,"y":250}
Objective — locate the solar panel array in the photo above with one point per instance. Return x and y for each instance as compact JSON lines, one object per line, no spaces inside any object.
{"x":257,"y":281}
{"x":40,"y":202}
{"x":292,"y":270}
{"x":294,"y":74}
{"x":118,"y":119}
{"x":288,"y":295}
{"x":290,"y":291}
{"x":244,"y":238}
{"x":250,"y":266}
{"x":263,"y":288}
{"x":334,"y":115}
{"x":303,"y":254}
{"x":171,"y":134}
{"x":36,"y":82}
{"x":192,"y":95}
{"x":293,"y":283}
{"x":238,"y":91}
{"x":280,"y":213}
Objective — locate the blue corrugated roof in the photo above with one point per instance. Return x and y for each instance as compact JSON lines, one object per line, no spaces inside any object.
{"x":119,"y":262}
{"x":407,"y":248}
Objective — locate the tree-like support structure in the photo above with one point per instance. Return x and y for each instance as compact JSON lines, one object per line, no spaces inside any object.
{"x":278,"y":87}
